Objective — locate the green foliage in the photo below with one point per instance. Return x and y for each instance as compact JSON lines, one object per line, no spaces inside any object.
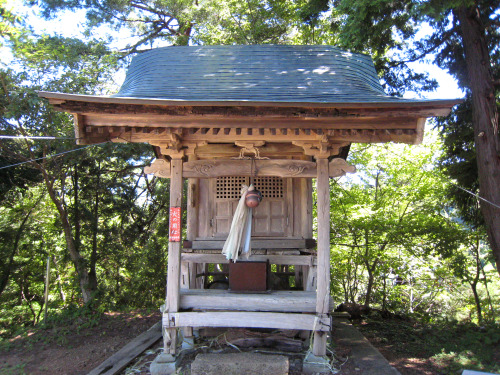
{"x":389,"y":31}
{"x":392,"y":222}
{"x":396,"y":241}
{"x":113,"y":209}
{"x":450,"y":347}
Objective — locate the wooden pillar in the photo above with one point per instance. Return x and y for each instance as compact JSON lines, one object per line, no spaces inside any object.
{"x":174,"y":257}
{"x":192,"y":206}
{"x":192,"y":223}
{"x":323,"y":270}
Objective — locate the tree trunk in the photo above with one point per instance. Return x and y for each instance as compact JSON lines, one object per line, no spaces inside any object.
{"x":58,"y":278}
{"x":4,"y":280}
{"x":95,"y":228}
{"x":76,"y":258}
{"x":371,"y":281}
{"x":477,"y":300}
{"x":76,"y":214}
{"x":485,"y":119}
{"x":475,"y":280}
{"x":384,"y":295}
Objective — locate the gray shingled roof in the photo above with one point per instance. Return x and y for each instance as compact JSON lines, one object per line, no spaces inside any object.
{"x":254,"y":73}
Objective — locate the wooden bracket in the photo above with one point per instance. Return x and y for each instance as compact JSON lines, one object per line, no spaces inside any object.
{"x":171,"y":145}
{"x":192,"y":146}
{"x":339,"y":167}
{"x":320,"y":149}
{"x":250,"y":147}
{"x":160,"y":168}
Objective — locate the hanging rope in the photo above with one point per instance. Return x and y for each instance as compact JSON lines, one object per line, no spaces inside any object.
{"x":239,"y":227}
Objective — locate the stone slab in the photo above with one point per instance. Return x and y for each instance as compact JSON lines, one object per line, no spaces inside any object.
{"x":239,"y":364}
{"x":365,"y":356}
{"x":474,"y":372}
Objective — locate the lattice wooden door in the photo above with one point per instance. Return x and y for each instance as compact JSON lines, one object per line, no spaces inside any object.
{"x":269,"y":218}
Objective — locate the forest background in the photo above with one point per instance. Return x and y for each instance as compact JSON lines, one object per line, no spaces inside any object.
{"x":415,"y":232}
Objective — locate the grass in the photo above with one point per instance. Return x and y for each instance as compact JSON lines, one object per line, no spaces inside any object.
{"x":14,"y":370}
{"x":449,"y":346}
{"x":57,"y":327}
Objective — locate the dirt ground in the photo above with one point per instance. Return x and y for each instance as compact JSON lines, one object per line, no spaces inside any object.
{"x":73,"y":350}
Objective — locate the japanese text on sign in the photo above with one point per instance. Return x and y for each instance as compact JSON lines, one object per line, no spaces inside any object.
{"x":175,"y":224}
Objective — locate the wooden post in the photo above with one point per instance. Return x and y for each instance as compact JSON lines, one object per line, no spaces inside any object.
{"x":174,"y":257}
{"x":323,"y":270}
{"x":189,"y":270}
{"x":192,"y":206}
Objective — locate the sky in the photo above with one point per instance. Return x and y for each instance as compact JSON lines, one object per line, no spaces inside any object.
{"x":66,"y":25}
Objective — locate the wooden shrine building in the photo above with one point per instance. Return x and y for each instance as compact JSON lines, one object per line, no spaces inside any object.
{"x":219,"y":115}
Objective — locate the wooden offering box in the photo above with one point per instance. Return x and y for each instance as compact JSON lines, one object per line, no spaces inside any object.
{"x":248,"y":276}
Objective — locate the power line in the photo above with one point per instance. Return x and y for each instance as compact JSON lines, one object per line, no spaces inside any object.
{"x":476,"y":195}
{"x":33,"y":137}
{"x":51,"y":156}
{"x":457,"y":185}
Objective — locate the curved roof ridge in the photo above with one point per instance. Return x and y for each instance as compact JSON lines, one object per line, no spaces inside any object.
{"x":264,"y":73}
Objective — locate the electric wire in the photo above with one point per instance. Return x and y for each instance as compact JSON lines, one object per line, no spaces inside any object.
{"x":56,"y":138}
{"x":33,"y":137}
{"x":457,"y":185}
{"x":51,"y":156}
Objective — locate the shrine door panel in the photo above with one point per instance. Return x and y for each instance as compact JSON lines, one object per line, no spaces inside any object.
{"x":269,"y":218}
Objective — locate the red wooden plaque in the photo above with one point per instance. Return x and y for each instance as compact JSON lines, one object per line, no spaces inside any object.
{"x":175,"y":224}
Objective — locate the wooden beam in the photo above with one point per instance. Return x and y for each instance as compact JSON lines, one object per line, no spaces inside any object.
{"x":247,"y":320}
{"x":275,"y":301}
{"x":276,"y":243}
{"x":220,"y":168}
{"x":290,"y":260}
{"x":382,"y":121}
{"x":323,"y":270}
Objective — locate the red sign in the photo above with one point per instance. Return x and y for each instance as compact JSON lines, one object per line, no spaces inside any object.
{"x":175,"y":224}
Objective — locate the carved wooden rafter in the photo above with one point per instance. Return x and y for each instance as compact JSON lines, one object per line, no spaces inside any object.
{"x":96,"y":134}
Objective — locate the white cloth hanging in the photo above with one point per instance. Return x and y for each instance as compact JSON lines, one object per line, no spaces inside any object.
{"x":241,"y":229}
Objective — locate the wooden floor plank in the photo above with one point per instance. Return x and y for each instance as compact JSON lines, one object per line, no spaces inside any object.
{"x":278,"y":301}
{"x":118,"y":361}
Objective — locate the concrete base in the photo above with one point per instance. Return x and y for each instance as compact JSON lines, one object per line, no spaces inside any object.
{"x":239,"y":364}
{"x":316,"y":365}
{"x":163,"y":364}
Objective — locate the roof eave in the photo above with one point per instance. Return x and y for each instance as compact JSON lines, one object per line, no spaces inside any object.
{"x":59,"y":98}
